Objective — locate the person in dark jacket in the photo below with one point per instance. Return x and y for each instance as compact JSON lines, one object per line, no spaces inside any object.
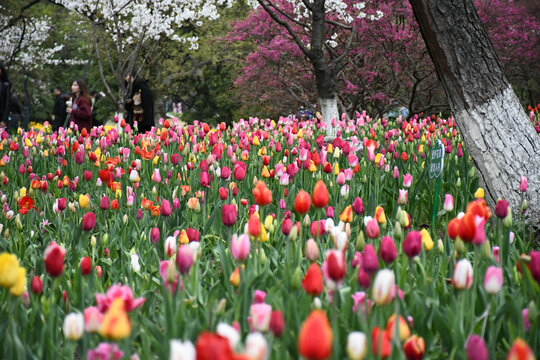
{"x":59,"y":109}
{"x":5,"y":96}
{"x":139,"y":104}
{"x":15,"y":112}
{"x":80,"y":109}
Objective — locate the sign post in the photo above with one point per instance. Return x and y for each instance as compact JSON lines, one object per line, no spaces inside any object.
{"x":436,"y":163}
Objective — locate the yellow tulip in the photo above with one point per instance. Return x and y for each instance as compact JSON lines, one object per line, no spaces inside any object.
{"x":84,"y":200}
{"x":9,"y":265}
{"x":116,"y":325}
{"x":426,"y":239}
{"x":479,"y":194}
{"x":20,"y":284}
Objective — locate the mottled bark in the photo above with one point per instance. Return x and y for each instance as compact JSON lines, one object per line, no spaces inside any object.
{"x":495,"y":128}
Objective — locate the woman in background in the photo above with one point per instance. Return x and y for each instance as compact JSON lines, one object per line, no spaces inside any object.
{"x":81,"y":108}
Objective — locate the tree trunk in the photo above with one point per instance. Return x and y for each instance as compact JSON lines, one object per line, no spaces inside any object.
{"x":329,"y":111}
{"x":496,"y":130}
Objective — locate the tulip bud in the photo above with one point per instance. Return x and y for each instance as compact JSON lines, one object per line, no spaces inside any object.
{"x":296,"y":279}
{"x":184,"y":259}
{"x":360,"y":241}
{"x":493,"y":280}
{"x":73,"y":326}
{"x":37,"y":285}
{"x":507,"y":222}
{"x":398,"y":233}
{"x":171,"y":273}
{"x":463,"y":275}
{"x":384,"y":287}
{"x":485,"y":250}
{"x":222,"y":304}
{"x":54,"y":259}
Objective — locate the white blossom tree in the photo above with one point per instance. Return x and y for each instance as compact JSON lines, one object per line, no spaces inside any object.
{"x":122,"y":29}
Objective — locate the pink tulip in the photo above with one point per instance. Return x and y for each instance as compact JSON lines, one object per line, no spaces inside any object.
{"x":312,"y":250}
{"x":370,"y":261}
{"x":412,"y":244}
{"x":104,"y":203}
{"x":448,"y":202}
{"x":163,"y":265}
{"x":388,"y":251}
{"x":184,"y":259}
{"x":358,"y":206}
{"x":165,"y":208}
{"x":476,"y":348}
{"x":407,"y":180}
{"x":105,"y":351}
{"x":523,"y":184}
{"x":156,"y":176}
{"x":104,"y":301}
{"x":384,"y":287}
{"x":92,"y":319}
{"x":260,"y":316}
{"x":259,"y":296}
{"x":154,"y":235}
{"x":240,"y":246}
{"x":372,"y":228}
{"x":493,"y":280}
{"x":402,"y":198}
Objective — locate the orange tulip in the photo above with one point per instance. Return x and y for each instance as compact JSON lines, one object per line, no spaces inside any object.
{"x":520,"y":351}
{"x":315,"y":338}
{"x":312,"y":282}
{"x":380,"y":343}
{"x":302,"y":203}
{"x":347,"y":214}
{"x":320,"y":195}
{"x":262,"y":195}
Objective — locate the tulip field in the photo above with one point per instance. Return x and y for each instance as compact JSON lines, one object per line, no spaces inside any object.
{"x":261,"y":239}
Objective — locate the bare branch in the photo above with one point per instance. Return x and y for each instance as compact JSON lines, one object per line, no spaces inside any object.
{"x":308,"y":5}
{"x":304,"y":25}
{"x":338,"y":24}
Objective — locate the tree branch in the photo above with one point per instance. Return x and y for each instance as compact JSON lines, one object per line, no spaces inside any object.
{"x":304,"y":25}
{"x":287,"y":26}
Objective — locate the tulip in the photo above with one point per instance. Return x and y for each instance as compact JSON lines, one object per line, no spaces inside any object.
{"x":8,"y":270}
{"x":165,"y":208}
{"x":358,"y":206}
{"x":448,"y":203}
{"x":184,"y":259}
{"x":54,"y":259}
{"x":501,"y":209}
{"x":402,"y":198}
{"x":315,"y":337}
{"x":388,"y":251}
{"x":254,"y":226}
{"x":93,"y":319}
{"x":372,"y":228}
{"x":312,"y":250}
{"x":256,"y":346}
{"x":463,"y":275}
{"x":427,"y":241}
{"x":37,"y":285}
{"x":520,"y":351}
{"x":384,"y":287}
{"x":170,"y":246}
{"x":84,"y":200}
{"x":370,"y":262}
{"x":240,"y":247}
{"x":156,"y":176}
{"x":380,"y":343}
{"x":476,"y":348}
{"x":234,"y":279}
{"x":104,"y":301}
{"x":88,"y":221}
{"x":534,"y":265}
{"x":302,"y":203}
{"x":414,"y":348}
{"x":407,"y":180}
{"x":312,"y":282}
{"x":229,"y":214}
{"x":260,"y":316}
{"x":116,"y":324}
{"x":403,"y":330}
{"x":493,"y":280}
{"x":73,"y":326}
{"x":523,"y":184}
{"x":154,"y":235}
{"x":262,"y":195}
{"x":412,"y":244}
{"x":228,"y":332}
{"x":86,"y":265}
{"x":335,"y":265}
{"x":277,"y":323}
{"x":356,"y":345}
{"x":105,"y":351}
{"x":320,"y":195}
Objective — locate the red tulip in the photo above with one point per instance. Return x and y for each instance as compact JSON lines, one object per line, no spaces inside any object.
{"x":54,"y":259}
{"x":380,"y":343}
{"x":210,"y":346}
{"x":37,"y":285}
{"x":86,"y":265}
{"x":412,"y":244}
{"x":277,"y":323}
{"x":312,"y":282}
{"x":88,"y":221}
{"x":229,"y":214}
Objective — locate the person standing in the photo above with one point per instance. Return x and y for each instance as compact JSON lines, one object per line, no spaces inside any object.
{"x":5,"y":96}
{"x":140,"y":104}
{"x":81,"y":107}
{"x":59,"y":109}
